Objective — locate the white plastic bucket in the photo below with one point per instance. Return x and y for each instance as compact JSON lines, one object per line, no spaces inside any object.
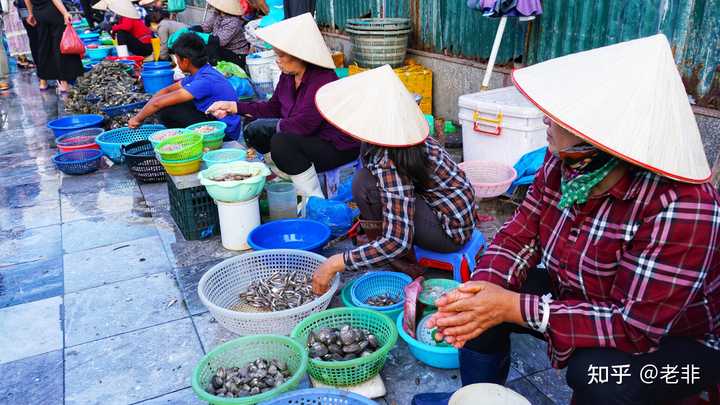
{"x":500,"y":125}
{"x":122,"y":50}
{"x":237,"y":219}
{"x":263,"y":68}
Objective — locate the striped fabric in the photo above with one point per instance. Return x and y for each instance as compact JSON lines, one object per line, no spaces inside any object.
{"x":449,"y":194}
{"x":627,"y":268}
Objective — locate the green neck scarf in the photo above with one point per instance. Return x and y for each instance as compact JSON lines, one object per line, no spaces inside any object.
{"x":577,"y":189}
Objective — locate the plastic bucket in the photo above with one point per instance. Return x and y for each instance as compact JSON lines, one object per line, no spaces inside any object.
{"x":237,"y":219}
{"x":282,"y":200}
{"x":122,"y":51}
{"x":263,"y":67}
{"x":154,"y":80}
{"x":161,"y":65}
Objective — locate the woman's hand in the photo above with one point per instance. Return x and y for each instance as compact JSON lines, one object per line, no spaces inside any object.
{"x":323,"y":276}
{"x":221,"y":109}
{"x":472,"y":309}
{"x":31,"y":21}
{"x":68,"y":18}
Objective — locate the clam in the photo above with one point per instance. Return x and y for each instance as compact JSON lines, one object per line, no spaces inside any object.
{"x":345,"y":343}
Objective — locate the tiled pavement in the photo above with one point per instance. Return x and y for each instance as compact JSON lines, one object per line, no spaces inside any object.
{"x":98,"y":299}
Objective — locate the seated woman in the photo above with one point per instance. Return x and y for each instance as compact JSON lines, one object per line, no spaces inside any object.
{"x":627,"y":228}
{"x":290,"y":127}
{"x":130,"y":29}
{"x":164,"y":27}
{"x":227,"y":27}
{"x":409,"y":191}
{"x":184,"y":103}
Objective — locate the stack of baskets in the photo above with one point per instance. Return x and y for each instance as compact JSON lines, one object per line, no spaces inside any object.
{"x":181,"y":154}
{"x":79,"y":140}
{"x":213,"y":133}
{"x":111,"y":142}
{"x":160,"y":136}
{"x":142,"y":163}
{"x":380,"y":283}
{"x":379,"y":41}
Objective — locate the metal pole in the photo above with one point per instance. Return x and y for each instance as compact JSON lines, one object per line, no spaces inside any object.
{"x":493,"y":54}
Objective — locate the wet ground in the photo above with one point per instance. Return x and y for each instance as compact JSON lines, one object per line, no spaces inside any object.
{"x":98,"y":300}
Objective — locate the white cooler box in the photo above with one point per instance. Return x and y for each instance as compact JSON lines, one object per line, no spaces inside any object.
{"x":500,"y":125}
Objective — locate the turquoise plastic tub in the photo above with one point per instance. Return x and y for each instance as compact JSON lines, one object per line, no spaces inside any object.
{"x":214,"y":157}
{"x":99,"y":53}
{"x":446,"y":357}
{"x":234,"y":191}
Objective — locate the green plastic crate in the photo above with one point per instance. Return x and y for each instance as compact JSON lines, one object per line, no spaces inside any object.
{"x":194,"y":211}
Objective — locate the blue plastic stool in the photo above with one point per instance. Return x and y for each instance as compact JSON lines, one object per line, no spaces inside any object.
{"x":461,"y":263}
{"x":331,"y":179}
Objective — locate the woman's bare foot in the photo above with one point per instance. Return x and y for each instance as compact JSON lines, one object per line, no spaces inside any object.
{"x":63,"y":86}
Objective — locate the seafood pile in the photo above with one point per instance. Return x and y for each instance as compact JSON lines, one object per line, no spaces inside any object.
{"x":280,"y":291}
{"x":432,"y":294}
{"x":346,"y":343}
{"x":106,"y":85}
{"x":253,"y":378}
{"x":205,"y":129}
{"x":171,"y":147}
{"x":230,"y":177}
{"x":383,"y":300}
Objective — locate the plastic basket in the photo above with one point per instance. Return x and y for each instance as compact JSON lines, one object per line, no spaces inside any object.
{"x":219,"y":290}
{"x":142,"y":163}
{"x":182,"y":167}
{"x":78,"y":161}
{"x":234,"y":191}
{"x":377,"y":283}
{"x":489,"y":179}
{"x":160,"y":136}
{"x":435,"y":356}
{"x":224,"y":156}
{"x":70,"y":123}
{"x":98,"y":53}
{"x":445,"y":284}
{"x":214,"y":139}
{"x":190,"y":147}
{"x":111,"y":141}
{"x":356,"y":371}
{"x":194,"y":211}
{"x":78,"y":140}
{"x":239,"y":352}
{"x":320,"y":396}
{"x":417,"y":79}
{"x":123,"y":109}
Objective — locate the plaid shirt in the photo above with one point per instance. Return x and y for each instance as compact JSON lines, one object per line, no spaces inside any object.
{"x":449,"y":194}
{"x":638,"y":263}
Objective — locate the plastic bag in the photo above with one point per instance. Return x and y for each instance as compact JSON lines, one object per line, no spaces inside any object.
{"x":243,"y":88}
{"x":413,"y":308}
{"x":171,"y":41}
{"x":335,"y":214}
{"x":176,"y":6}
{"x":230,"y":69}
{"x":527,"y":167}
{"x":70,"y":43}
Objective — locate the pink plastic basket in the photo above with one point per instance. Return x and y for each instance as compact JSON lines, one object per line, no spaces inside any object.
{"x":489,"y":179}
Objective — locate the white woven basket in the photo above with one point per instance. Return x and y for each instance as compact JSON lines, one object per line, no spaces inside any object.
{"x":219,"y":290}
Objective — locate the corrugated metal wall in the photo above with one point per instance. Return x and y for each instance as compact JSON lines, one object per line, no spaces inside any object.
{"x":449,"y":27}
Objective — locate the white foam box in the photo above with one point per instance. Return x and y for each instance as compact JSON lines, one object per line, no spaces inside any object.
{"x":500,"y":125}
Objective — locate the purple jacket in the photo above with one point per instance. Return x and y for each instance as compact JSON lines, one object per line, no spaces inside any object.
{"x":296,"y":108}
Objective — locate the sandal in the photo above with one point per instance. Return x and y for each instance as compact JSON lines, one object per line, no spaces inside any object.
{"x":4,"y":86}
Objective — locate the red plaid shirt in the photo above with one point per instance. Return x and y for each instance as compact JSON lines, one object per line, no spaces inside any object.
{"x":449,"y":194}
{"x":627,"y":268}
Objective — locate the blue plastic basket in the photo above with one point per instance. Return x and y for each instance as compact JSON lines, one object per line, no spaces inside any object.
{"x":378,"y":283}
{"x":214,"y":157}
{"x":435,"y":356}
{"x":301,"y":234}
{"x":320,"y":396}
{"x":123,"y":109}
{"x":112,"y":141}
{"x":62,"y":126}
{"x":78,"y":162}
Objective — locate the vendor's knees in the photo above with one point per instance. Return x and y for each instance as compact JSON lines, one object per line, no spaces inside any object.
{"x":591,"y":384}
{"x":363,"y":184}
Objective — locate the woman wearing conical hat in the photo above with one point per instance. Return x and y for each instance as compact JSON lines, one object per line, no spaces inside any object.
{"x":409,"y":190}
{"x":226,"y":25}
{"x":288,"y":128}
{"x":626,"y":227}
{"x":130,"y":29}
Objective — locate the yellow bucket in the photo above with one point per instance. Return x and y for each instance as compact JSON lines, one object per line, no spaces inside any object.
{"x":156,"y":48}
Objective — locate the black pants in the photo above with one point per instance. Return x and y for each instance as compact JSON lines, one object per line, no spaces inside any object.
{"x":133,"y":44}
{"x":32,"y":33}
{"x":182,"y":115}
{"x":51,"y":64}
{"x":293,"y":154}
{"x":429,"y":233}
{"x":673,"y":351}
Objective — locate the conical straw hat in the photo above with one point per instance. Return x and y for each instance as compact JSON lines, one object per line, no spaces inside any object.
{"x":627,"y":99}
{"x":100,"y":5}
{"x":123,"y":8}
{"x":374,"y":107}
{"x":231,"y":7}
{"x":146,"y":2}
{"x":300,"y":37}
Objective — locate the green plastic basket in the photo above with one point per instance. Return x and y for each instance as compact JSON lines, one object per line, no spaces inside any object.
{"x":211,"y":140}
{"x":356,"y":371}
{"x":241,"y":351}
{"x":446,"y":284}
{"x":191,"y":147}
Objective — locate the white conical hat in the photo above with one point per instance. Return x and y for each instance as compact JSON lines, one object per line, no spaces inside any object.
{"x":627,"y":99}
{"x":374,"y":107}
{"x":123,"y":8}
{"x":100,"y":5}
{"x":231,"y":7}
{"x":487,"y":394}
{"x":146,"y":2}
{"x":300,"y":37}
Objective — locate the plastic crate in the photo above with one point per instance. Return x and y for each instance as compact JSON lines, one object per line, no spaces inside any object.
{"x":417,"y":79}
{"x":194,"y":211}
